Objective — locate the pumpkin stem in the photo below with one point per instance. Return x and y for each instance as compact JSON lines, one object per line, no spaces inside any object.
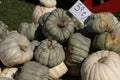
{"x":61,"y":24}
{"x":101,"y":60}
{"x":23,"y":47}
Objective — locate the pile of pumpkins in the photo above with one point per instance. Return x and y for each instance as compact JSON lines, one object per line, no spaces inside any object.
{"x":56,"y":45}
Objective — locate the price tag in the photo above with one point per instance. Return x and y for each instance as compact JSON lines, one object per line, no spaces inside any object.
{"x":80,"y":11}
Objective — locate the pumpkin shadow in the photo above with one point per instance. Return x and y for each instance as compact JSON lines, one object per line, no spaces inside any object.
{"x":35,"y":2}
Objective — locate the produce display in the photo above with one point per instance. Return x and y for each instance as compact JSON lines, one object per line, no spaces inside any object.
{"x":56,"y":46}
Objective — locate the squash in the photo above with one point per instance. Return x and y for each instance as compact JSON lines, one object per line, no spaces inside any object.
{"x":3,"y":30}
{"x":106,"y":41}
{"x":116,"y":30}
{"x":5,"y":78}
{"x":77,"y":49}
{"x":39,"y":11}
{"x":34,"y":44}
{"x":58,"y":26}
{"x":9,"y":72}
{"x":100,"y":22}
{"x":101,"y":65}
{"x":49,"y":53}
{"x":15,"y":49}
{"x":33,"y":71}
{"x":28,"y":29}
{"x":58,"y":71}
{"x":48,"y":3}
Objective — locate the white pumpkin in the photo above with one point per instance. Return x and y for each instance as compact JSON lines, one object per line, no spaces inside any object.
{"x":58,"y":71}
{"x":101,"y":65}
{"x":8,"y":72}
{"x":48,"y":3}
{"x":15,"y":49}
{"x":28,"y":29}
{"x":39,"y":11}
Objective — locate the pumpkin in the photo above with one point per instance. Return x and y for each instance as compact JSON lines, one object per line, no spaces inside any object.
{"x":9,"y":72}
{"x":48,"y":3}
{"x":77,"y":49}
{"x":58,"y":26}
{"x":33,"y":71}
{"x":28,"y":29}
{"x":58,"y":71}
{"x":15,"y":49}
{"x":5,"y":78}
{"x":116,"y":30}
{"x":101,"y":65}
{"x":100,"y":22}
{"x":49,"y":53}
{"x":106,"y":41}
{"x":39,"y":11}
{"x":34,"y":44}
{"x":43,"y":18}
{"x":3,"y":30}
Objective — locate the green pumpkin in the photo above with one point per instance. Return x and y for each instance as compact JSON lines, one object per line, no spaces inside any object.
{"x":28,"y":29}
{"x":49,"y":53}
{"x":101,"y":22}
{"x":5,"y":78}
{"x":58,"y":26}
{"x":77,"y":50}
{"x":106,"y":41}
{"x":33,"y":71}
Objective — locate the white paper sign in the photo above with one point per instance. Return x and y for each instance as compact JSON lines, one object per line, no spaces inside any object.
{"x":80,"y":11}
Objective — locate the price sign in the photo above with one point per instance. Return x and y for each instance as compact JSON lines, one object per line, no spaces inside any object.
{"x":80,"y":11}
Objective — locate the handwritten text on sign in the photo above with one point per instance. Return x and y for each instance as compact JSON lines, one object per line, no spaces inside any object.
{"x":80,"y":11}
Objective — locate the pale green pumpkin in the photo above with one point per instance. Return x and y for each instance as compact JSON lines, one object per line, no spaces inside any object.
{"x":106,"y":41}
{"x":49,"y":53}
{"x":58,"y":26}
{"x":77,"y":49}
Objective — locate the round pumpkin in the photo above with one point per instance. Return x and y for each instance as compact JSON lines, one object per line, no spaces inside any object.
{"x":58,"y":26}
{"x":49,"y":53}
{"x":58,"y":71}
{"x":5,"y":78}
{"x":39,"y":11}
{"x":101,"y":65}
{"x":106,"y":41}
{"x":15,"y":49}
{"x":28,"y":29}
{"x":48,"y":3}
{"x":33,"y":71}
{"x":100,"y":22}
{"x":3,"y":30}
{"x":9,"y":72}
{"x":77,"y":49}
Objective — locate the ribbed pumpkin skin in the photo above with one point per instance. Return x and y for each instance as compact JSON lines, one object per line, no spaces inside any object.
{"x":49,"y":53}
{"x":28,"y":29}
{"x":3,"y":30}
{"x":39,"y":11}
{"x":101,"y":65}
{"x":78,"y":48}
{"x":100,"y":22}
{"x":5,"y":78}
{"x":106,"y":41}
{"x":43,"y":18}
{"x":116,"y":30}
{"x":15,"y":49}
{"x":33,"y":71}
{"x":58,"y":26}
